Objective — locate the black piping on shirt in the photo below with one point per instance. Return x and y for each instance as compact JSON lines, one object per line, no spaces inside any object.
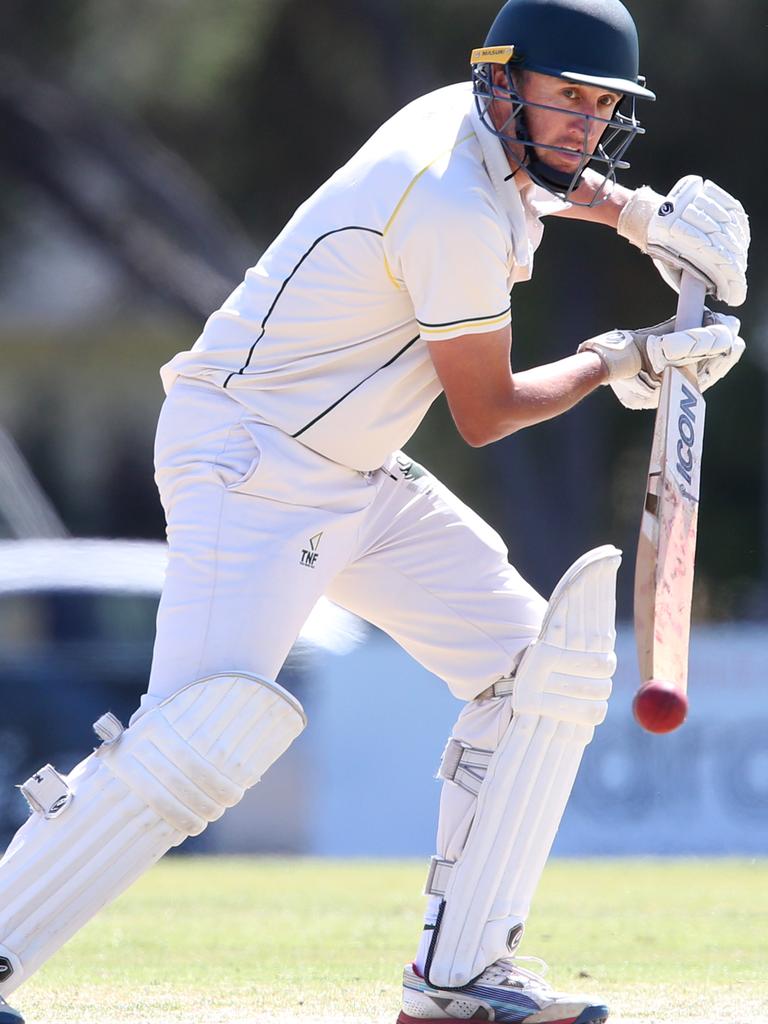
{"x":359,"y":384}
{"x":466,"y":319}
{"x":351,"y":227}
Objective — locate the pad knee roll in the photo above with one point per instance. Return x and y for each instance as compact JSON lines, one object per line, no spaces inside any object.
{"x":143,"y":791}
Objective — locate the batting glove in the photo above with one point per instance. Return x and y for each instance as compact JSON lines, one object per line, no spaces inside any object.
{"x":623,"y":353}
{"x":698,"y":228}
{"x":712,"y":350}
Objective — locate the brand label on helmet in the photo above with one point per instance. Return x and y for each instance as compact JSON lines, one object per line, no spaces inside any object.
{"x":492,"y":55}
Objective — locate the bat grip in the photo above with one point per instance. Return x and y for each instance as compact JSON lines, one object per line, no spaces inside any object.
{"x":690,"y":305}
{"x":690,"y":313}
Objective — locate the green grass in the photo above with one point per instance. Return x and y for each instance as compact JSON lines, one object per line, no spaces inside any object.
{"x":252,"y":940}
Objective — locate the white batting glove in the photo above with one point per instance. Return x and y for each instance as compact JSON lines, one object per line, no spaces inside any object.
{"x":698,"y":227}
{"x":623,"y":353}
{"x":713,"y":348}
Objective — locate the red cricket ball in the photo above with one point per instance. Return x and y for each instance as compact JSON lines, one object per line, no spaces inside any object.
{"x":660,"y":706}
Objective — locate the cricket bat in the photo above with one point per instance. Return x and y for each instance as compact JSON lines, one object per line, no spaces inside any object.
{"x":667,"y":544}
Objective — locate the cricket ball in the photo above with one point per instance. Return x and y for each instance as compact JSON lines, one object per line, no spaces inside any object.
{"x":660,"y":706}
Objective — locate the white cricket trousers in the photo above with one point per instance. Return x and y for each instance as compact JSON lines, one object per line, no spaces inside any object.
{"x":260,"y":526}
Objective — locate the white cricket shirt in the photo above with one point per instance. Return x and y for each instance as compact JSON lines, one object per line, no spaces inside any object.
{"x":418,"y":237}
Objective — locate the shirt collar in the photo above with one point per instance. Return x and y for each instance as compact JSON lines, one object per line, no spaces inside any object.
{"x":520,"y":197}
{"x":497,"y":165}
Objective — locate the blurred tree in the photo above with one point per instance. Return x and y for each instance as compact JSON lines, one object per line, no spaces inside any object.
{"x":128,"y":194}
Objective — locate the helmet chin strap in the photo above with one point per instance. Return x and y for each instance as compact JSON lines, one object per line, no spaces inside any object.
{"x":559,"y":181}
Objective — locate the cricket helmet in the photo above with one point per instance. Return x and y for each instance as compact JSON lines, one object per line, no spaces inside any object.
{"x":587,"y":42}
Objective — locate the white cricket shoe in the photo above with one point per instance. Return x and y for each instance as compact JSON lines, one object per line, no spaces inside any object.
{"x":503,"y":992}
{"x":8,"y":1015}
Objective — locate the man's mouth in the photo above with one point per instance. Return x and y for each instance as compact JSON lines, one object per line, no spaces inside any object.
{"x":569,"y":155}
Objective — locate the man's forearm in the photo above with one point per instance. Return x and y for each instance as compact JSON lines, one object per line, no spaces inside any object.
{"x":541,"y":394}
{"x":606,"y":212}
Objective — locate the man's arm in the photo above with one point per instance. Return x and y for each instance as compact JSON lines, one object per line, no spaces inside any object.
{"x":607,"y":212}
{"x":696,"y":227}
{"x":488,"y":402}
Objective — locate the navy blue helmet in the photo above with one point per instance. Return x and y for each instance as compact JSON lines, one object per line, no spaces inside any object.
{"x":587,"y":42}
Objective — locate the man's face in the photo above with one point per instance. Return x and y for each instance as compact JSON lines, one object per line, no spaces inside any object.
{"x":562,"y":127}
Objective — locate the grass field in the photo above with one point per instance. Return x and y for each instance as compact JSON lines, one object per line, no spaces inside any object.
{"x":250,"y":940}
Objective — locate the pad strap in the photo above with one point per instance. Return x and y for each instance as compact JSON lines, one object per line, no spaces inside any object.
{"x":438,"y":877}
{"x":46,"y":792}
{"x":503,"y":687}
{"x":464,"y":765}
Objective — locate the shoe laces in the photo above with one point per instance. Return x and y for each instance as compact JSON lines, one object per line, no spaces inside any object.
{"x":510,"y":970}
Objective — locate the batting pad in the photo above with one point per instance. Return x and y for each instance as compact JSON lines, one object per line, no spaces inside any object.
{"x":144,"y":790}
{"x":559,"y":694}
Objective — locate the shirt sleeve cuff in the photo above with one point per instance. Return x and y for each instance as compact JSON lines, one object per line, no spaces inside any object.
{"x":468,"y":325}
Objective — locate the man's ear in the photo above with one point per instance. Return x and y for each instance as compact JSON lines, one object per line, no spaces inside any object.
{"x":499,"y":75}
{"x":500,"y":79}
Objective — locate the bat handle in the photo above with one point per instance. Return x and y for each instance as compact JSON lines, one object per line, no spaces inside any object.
{"x":690,"y":312}
{"x":690,"y":305}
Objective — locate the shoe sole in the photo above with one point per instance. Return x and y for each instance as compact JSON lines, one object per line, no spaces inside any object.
{"x":592,"y":1015}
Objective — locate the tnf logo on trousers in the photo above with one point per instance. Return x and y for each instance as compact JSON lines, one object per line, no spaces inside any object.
{"x":309,"y":555}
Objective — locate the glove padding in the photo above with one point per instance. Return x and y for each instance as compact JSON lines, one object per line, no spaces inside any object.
{"x":698,"y":228}
{"x":713,"y":349}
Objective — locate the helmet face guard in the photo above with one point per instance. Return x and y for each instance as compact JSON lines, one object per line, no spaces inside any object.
{"x":607,"y":158}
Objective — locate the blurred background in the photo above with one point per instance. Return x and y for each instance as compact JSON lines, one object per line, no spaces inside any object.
{"x":150,"y":152}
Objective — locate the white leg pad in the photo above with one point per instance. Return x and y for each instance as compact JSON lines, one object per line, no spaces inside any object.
{"x":143,"y":791}
{"x":559,"y":694}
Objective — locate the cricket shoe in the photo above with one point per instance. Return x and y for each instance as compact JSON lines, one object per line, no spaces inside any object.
{"x":8,"y":1015}
{"x":503,"y":992}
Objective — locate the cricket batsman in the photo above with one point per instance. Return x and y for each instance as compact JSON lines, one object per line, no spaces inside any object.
{"x":280,"y":471}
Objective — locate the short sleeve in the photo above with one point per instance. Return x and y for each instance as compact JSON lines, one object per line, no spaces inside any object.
{"x":450,"y":252}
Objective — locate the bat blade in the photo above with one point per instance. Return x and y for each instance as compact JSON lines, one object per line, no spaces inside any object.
{"x":667,"y":543}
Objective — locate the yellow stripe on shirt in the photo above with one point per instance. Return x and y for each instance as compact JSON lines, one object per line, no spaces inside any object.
{"x":416,"y":177}
{"x":404,"y":196}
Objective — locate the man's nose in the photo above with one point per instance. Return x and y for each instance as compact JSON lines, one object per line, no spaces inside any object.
{"x":578,"y":125}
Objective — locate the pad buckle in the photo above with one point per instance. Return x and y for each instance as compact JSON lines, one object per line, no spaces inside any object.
{"x":438,"y":877}
{"x":47,"y":792}
{"x":108,"y":728}
{"x":503,"y":687}
{"x":466,"y":766}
